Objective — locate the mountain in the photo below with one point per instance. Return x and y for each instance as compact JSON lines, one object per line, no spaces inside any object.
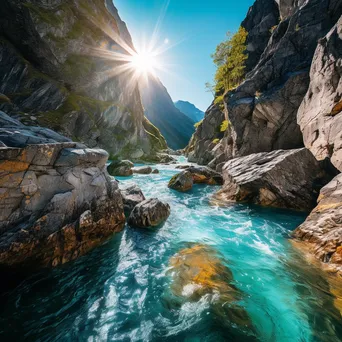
{"x":190,"y":110}
{"x":58,"y":70}
{"x":175,"y":126}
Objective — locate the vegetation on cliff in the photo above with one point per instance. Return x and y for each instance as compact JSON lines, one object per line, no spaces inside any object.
{"x":230,"y":57}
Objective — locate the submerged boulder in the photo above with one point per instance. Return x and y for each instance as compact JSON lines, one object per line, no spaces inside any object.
{"x":57,"y":202}
{"x":182,"y":181}
{"x":323,"y":227}
{"x":199,"y":273}
{"x":286,"y":179}
{"x":144,"y":170}
{"x":149,"y":213}
{"x":131,"y":195}
{"x":120,"y":168}
{"x":155,"y":171}
{"x":195,"y":175}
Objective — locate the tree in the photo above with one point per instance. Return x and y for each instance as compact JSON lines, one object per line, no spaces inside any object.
{"x":230,"y":57}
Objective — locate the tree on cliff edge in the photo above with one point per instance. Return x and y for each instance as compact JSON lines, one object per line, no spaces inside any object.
{"x":230,"y":57}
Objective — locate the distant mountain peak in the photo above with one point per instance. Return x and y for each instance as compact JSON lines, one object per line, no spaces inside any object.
{"x":190,"y":110}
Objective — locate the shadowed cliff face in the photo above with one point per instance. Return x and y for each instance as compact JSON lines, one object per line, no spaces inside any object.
{"x":175,"y":126}
{"x":55,"y":73}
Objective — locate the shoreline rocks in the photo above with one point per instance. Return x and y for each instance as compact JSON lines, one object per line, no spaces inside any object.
{"x":285,"y":179}
{"x":322,"y":229}
{"x":149,"y":213}
{"x":184,"y":180}
{"x":132,"y":196}
{"x":57,"y":202}
{"x":120,"y":168}
{"x":143,"y":170}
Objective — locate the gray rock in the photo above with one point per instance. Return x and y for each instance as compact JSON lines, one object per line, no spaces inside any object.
{"x":56,"y":204}
{"x":155,"y":171}
{"x":144,"y":170}
{"x":149,"y":213}
{"x":131,"y":195}
{"x":121,"y":168}
{"x":184,"y":180}
{"x":322,"y":230}
{"x":261,"y":19}
{"x":320,"y":114}
{"x":181,"y":182}
{"x":201,"y":144}
{"x":41,"y":81}
{"x":286,"y":179}
{"x":263,"y":109}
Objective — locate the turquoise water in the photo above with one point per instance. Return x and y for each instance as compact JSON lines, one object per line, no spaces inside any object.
{"x":118,"y":292}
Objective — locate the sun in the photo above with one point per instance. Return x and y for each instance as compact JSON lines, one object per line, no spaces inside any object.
{"x":144,"y":62}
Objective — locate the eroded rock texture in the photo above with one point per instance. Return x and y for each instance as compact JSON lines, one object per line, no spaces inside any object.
{"x":56,"y":203}
{"x":263,"y":109}
{"x":202,"y":147}
{"x":320,"y":115}
{"x":323,"y":228}
{"x":149,"y":213}
{"x":285,"y":179}
{"x":57,"y":71}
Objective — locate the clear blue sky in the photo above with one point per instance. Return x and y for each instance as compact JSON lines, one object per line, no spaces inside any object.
{"x":198,"y":25}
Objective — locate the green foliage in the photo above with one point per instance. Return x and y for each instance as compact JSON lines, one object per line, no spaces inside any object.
{"x":297,"y":27}
{"x":216,"y":141}
{"x":199,"y":123}
{"x":224,"y":126}
{"x":230,"y":57}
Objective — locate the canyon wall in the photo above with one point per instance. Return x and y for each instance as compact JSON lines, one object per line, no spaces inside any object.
{"x":59,"y":69}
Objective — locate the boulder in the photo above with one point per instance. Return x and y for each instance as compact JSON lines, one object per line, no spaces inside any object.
{"x":149,"y":213}
{"x":322,"y":230}
{"x":57,"y":203}
{"x":131,"y":195}
{"x":155,"y":171}
{"x":195,"y":175}
{"x":320,"y":114}
{"x":144,"y":170}
{"x":205,"y":175}
{"x":286,"y":179}
{"x":199,"y":272}
{"x":181,"y":182}
{"x":182,"y":167}
{"x":121,"y":168}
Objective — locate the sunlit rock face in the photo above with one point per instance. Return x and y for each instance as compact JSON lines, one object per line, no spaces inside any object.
{"x":263,"y":109}
{"x":199,"y":276}
{"x":57,"y":69}
{"x":320,"y":115}
{"x":57,"y":202}
{"x":323,"y":228}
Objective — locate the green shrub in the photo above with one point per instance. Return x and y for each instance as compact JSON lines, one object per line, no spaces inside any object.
{"x":199,"y":123}
{"x":224,"y":126}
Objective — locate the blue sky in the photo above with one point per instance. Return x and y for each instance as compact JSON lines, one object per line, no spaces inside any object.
{"x":196,"y":26}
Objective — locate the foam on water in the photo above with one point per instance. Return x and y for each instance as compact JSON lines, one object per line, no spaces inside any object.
{"x":118,"y":292}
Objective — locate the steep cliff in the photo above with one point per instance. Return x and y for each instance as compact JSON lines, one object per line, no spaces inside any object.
{"x":175,"y":126}
{"x":58,"y":69}
{"x":260,"y":21}
{"x":319,"y":115}
{"x":263,"y":109}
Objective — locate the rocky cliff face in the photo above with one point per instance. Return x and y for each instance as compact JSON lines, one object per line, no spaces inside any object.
{"x":319,"y":115}
{"x":320,"y":120}
{"x":56,"y":203}
{"x":58,"y":70}
{"x":262,"y":111}
{"x":175,"y":126}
